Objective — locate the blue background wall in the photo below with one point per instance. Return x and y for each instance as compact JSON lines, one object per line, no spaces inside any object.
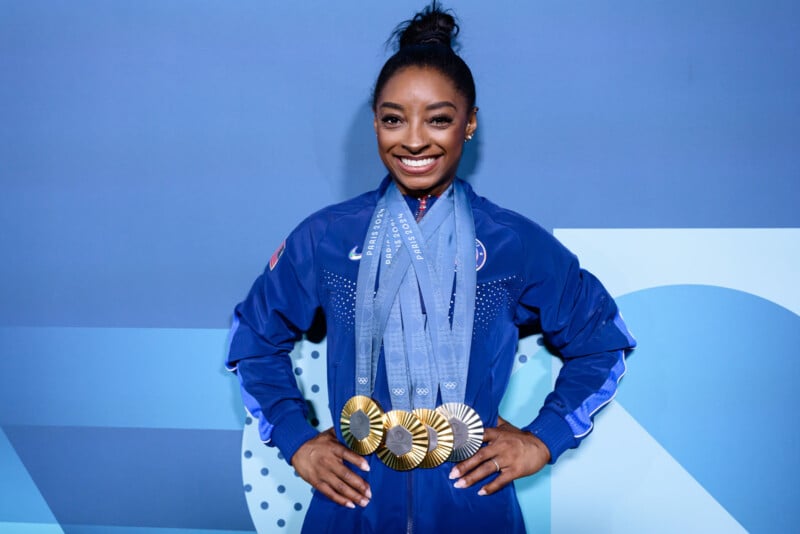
{"x":153,"y":154}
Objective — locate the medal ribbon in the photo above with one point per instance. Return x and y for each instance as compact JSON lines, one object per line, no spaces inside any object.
{"x":419,"y":343}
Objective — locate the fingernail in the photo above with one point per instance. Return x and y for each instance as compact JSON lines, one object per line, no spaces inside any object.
{"x":350,"y":505}
{"x":363,"y":503}
{"x":365,"y":466}
{"x":482,"y":492}
{"x":454,"y":473}
{"x":459,"y":483}
{"x":369,"y":493}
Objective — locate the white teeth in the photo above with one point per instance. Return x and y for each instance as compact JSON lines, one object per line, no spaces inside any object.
{"x":417,"y":162}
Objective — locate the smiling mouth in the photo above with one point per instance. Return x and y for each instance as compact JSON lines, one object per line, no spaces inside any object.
{"x":417,"y":162}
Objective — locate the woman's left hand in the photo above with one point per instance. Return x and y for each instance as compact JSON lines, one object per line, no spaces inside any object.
{"x":509,"y":451}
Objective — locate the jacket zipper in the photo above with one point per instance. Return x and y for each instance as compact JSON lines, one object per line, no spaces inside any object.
{"x":410,"y":507}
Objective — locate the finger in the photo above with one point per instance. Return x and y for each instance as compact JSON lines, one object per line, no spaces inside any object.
{"x":343,"y":482}
{"x":497,"y":484}
{"x":354,"y":488}
{"x":483,"y":454}
{"x":355,"y":459}
{"x":490,"y":434}
{"x":345,"y":473}
{"x":345,"y":453}
{"x":462,"y":468}
{"x":327,"y":490}
{"x":486,"y":468}
{"x":332,"y":468}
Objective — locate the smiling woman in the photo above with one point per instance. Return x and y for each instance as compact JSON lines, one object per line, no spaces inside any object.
{"x":422,"y":122}
{"x":422,"y":321}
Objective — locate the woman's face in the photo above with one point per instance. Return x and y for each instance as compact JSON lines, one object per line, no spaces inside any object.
{"x":422,"y":122}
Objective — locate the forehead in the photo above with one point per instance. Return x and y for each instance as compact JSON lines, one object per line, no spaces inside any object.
{"x":420,"y":85}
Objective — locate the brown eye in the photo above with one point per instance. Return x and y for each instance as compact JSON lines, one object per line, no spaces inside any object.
{"x":442,"y":121}
{"x":390,"y":120}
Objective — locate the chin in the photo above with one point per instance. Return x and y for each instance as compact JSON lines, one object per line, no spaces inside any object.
{"x":416,"y":186}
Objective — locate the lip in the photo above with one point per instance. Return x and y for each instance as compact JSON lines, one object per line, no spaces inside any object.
{"x":422,"y":165}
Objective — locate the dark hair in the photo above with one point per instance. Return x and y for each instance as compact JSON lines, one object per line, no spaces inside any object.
{"x":426,"y":41}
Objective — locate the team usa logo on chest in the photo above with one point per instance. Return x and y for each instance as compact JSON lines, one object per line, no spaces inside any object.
{"x":480,"y":255}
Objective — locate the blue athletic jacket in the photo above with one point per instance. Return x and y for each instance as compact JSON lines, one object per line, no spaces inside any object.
{"x":525,"y":277}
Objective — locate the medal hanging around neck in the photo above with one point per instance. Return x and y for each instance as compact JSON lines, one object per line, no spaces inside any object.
{"x":405,"y":441}
{"x":418,"y":343}
{"x":467,"y":429}
{"x":362,"y":424}
{"x":440,"y":437}
{"x":462,"y":428}
{"x":361,"y":418}
{"x":464,"y":421}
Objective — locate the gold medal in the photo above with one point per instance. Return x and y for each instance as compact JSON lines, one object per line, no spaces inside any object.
{"x":362,"y":425}
{"x":440,"y":437}
{"x":467,"y":429}
{"x":405,"y":440}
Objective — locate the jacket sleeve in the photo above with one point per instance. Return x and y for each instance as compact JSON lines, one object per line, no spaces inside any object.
{"x":279,"y":308}
{"x":581,"y":322}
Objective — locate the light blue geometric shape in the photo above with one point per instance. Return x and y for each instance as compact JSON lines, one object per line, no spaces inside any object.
{"x":757,"y":261}
{"x":622,"y":481}
{"x":108,"y":529}
{"x":531,"y":381}
{"x":714,"y":380}
{"x":8,"y":527}
{"x":123,"y":377}
{"x":276,"y":497}
{"x":20,"y":499}
{"x":760,"y":261}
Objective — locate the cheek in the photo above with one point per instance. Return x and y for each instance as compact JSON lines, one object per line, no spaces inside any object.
{"x":385,"y":141}
{"x":454,"y":144}
{"x":452,"y":138}
{"x":384,"y":150}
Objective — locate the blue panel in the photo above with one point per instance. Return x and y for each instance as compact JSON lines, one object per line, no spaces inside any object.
{"x":106,"y":529}
{"x":154,"y":155}
{"x":20,"y":499}
{"x":117,"y":377}
{"x":720,"y":402}
{"x":8,"y":527}
{"x":188,"y":479}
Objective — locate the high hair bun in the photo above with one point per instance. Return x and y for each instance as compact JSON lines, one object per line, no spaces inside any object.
{"x":426,"y":41}
{"x":431,"y":26}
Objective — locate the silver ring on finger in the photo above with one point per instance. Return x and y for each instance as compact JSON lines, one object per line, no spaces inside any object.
{"x":495,"y":464}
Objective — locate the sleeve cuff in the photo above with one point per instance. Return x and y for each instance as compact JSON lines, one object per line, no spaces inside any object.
{"x":290,"y":433}
{"x":554,"y":432}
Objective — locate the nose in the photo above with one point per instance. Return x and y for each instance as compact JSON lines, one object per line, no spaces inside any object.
{"x":416,"y":139}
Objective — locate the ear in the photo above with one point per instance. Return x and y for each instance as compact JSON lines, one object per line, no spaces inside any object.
{"x":375,"y":122}
{"x":472,"y":122}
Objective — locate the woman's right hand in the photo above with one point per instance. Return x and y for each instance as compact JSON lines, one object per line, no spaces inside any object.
{"x":320,"y":462}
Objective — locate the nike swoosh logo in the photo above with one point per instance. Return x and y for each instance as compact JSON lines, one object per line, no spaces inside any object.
{"x":354,"y":254}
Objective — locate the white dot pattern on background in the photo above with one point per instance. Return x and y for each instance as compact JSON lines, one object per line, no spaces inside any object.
{"x":276,"y":496}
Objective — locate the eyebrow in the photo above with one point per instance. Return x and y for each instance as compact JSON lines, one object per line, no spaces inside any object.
{"x":430,"y":107}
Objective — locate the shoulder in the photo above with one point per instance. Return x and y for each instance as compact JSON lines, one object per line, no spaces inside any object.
{"x":364,"y":203}
{"x":342,"y":216}
{"x":529,"y":235}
